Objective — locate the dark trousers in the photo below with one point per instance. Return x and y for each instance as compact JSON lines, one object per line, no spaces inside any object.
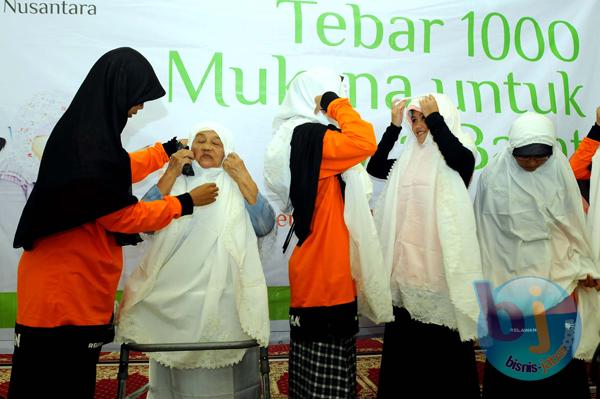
{"x":56,"y":362}
{"x":422,"y":360}
{"x":571,"y":382}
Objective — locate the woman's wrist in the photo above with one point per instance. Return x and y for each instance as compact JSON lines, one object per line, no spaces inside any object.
{"x":249,"y":189}
{"x":172,"y":173}
{"x":166,"y":181}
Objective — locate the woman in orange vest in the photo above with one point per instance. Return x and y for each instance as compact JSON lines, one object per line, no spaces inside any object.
{"x":78,"y":216}
{"x":581,"y":160}
{"x":303,"y":165}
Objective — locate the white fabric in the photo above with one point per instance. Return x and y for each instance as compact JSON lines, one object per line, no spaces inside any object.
{"x":425,"y":220}
{"x":202,"y":279}
{"x":366,"y":258}
{"x":532,"y":223}
{"x":593,"y":216}
{"x":241,"y":381}
{"x":366,"y":261}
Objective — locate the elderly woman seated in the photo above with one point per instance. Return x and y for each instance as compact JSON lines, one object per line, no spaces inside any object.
{"x":202,"y":279}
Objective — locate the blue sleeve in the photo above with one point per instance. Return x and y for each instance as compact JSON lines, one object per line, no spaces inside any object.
{"x":153,"y":194}
{"x":261,"y":215}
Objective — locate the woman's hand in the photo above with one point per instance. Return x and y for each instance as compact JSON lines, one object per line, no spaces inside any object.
{"x":398,"y":112}
{"x":598,"y":116}
{"x":178,"y":160}
{"x":429,"y":105}
{"x":589,"y":282}
{"x":204,"y":194}
{"x":176,"y":163}
{"x":235,"y":167}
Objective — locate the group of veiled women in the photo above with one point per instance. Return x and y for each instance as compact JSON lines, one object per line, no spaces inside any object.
{"x":411,"y":263}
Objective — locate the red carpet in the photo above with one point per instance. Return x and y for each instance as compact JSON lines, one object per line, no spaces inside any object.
{"x":368,"y":351}
{"x":368,"y":360}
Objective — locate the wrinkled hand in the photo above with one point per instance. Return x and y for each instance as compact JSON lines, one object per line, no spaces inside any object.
{"x":178,"y":159}
{"x":398,"y":112}
{"x":204,"y":194}
{"x":183,"y":142}
{"x":429,"y":105}
{"x":598,"y":116}
{"x":235,"y":167}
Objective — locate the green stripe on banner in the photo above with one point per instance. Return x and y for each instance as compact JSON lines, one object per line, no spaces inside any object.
{"x":8,"y":309}
{"x":279,"y":302}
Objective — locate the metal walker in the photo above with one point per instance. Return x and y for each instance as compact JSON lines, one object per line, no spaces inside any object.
{"x":127,"y":347}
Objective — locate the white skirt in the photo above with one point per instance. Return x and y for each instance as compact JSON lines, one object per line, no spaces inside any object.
{"x":240,"y":381}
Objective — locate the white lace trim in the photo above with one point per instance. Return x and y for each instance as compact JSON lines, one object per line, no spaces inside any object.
{"x":128,"y":330}
{"x":254,"y":320}
{"x":426,"y":306}
{"x":374,"y":300}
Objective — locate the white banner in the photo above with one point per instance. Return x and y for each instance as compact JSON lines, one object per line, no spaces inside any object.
{"x":231,"y":62}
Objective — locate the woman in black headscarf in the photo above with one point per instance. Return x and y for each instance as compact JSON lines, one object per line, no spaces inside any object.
{"x":80,"y":212}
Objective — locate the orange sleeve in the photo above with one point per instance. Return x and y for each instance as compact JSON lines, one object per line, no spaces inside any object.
{"x":143,"y":216}
{"x":146,"y":161}
{"x":355,"y":143}
{"x":582,"y":158}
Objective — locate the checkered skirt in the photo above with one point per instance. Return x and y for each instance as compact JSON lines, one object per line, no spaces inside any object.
{"x":322,"y":369}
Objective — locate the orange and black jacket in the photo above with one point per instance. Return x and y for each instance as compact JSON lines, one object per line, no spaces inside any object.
{"x":323,"y":294}
{"x":71,"y":277}
{"x":581,"y":160}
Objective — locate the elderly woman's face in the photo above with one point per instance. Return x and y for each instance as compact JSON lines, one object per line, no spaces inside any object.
{"x":208,"y":149}
{"x":419,"y":127}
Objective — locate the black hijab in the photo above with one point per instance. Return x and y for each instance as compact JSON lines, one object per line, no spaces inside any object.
{"x":533,"y":150}
{"x":306,"y":154}
{"x":85,"y":173}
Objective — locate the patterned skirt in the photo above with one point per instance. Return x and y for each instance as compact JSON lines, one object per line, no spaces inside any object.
{"x":322,"y":369}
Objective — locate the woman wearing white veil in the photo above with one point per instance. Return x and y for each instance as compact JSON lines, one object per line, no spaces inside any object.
{"x":202,"y":281}
{"x":336,"y":269}
{"x":427,"y":230}
{"x":530,"y":223}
